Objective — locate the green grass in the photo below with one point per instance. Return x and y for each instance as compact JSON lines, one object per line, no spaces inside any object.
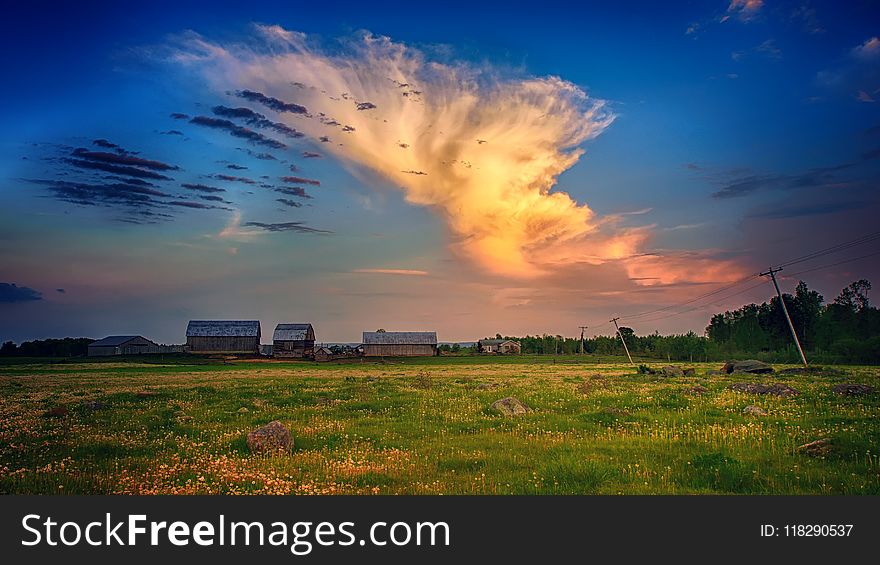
{"x":422,"y":426}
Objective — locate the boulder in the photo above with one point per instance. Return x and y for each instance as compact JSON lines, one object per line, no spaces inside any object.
{"x":510,"y":406}
{"x":94,"y":405}
{"x":56,"y":412}
{"x":274,"y":436}
{"x":818,"y":448}
{"x":672,"y":371}
{"x":853,"y":389}
{"x":777,"y":389}
{"x":243,"y":410}
{"x":753,"y":410}
{"x":690,"y":372}
{"x":749,"y":366}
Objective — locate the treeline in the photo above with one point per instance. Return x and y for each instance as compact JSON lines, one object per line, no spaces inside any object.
{"x":846,"y":330}
{"x":66,"y":347}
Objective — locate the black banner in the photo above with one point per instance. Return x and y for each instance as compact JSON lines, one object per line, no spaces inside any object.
{"x":435,"y":529}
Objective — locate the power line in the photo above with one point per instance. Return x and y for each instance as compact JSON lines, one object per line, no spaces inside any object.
{"x":834,"y":264}
{"x":833,"y":249}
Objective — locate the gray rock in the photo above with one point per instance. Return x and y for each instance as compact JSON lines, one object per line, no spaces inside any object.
{"x":753,"y":410}
{"x":690,"y":372}
{"x":672,"y":371}
{"x":853,"y":389}
{"x":697,"y":390}
{"x":510,"y":406}
{"x":94,"y":405}
{"x":818,"y":448}
{"x":749,"y":366}
{"x":274,"y":436}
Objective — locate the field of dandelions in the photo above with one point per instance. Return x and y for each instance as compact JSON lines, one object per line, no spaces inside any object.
{"x":425,"y":426}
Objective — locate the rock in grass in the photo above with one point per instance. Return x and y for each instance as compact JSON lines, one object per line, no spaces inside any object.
{"x":777,"y":389}
{"x":753,"y":410}
{"x":94,"y":405}
{"x":697,"y":390}
{"x":274,"y":436}
{"x":749,"y":366}
{"x":146,"y":394}
{"x":690,"y":372}
{"x":510,"y":406}
{"x":818,"y":448}
{"x":56,"y":412}
{"x":853,"y":389}
{"x":243,"y":410}
{"x":672,"y":371}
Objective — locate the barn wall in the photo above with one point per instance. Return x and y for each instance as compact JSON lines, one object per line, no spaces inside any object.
{"x":293,"y":348}
{"x":99,"y":351}
{"x":223,"y":344}
{"x":399,"y":350}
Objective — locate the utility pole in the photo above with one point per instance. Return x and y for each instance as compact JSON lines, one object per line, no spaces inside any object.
{"x":583,"y":328}
{"x":772,"y":273}
{"x":623,"y":341}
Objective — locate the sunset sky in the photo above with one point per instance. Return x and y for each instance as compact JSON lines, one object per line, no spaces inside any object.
{"x":462,"y":169}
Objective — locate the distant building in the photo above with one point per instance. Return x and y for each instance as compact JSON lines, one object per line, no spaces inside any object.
{"x":223,"y":336}
{"x":505,"y":346}
{"x":266,"y":349}
{"x":399,"y":344}
{"x":323,"y":354}
{"x":122,"y":345}
{"x":293,"y":340}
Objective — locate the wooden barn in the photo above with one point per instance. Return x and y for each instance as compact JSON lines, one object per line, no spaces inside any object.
{"x":504,"y":346}
{"x":223,"y":336}
{"x":324,"y":354}
{"x":399,"y":344}
{"x":293,"y":340}
{"x":122,"y":345}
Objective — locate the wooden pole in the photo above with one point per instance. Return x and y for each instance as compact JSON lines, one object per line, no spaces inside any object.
{"x":772,"y":272}
{"x":582,"y":337}
{"x":623,"y":341}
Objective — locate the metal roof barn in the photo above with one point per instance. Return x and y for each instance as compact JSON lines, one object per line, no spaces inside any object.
{"x":399,"y":344}
{"x":293,"y":340}
{"x":122,"y":345}
{"x":223,"y":336}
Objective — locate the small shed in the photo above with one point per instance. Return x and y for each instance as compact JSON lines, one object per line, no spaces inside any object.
{"x":399,"y":344}
{"x":504,"y":346}
{"x":223,"y":336}
{"x":324,"y":354}
{"x":293,"y":340}
{"x":122,"y":345}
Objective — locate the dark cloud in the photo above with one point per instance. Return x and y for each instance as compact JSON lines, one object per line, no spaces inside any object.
{"x":365,"y":106}
{"x":298,"y":227}
{"x":213,"y":198}
{"x":693,"y":166}
{"x":179,"y":116}
{"x":297,"y":191}
{"x":348,"y":129}
{"x":108,"y":145}
{"x":124,"y":159}
{"x":196,"y":205}
{"x":287,"y":202}
{"x":10,"y":292}
{"x":324,"y":139}
{"x":171,"y":132}
{"x":60,"y":290}
{"x":257,"y":120}
{"x":310,"y":155}
{"x":116,"y":169}
{"x":743,"y":186}
{"x":202,"y":187}
{"x":414,"y":172}
{"x":86,"y":194}
{"x":301,"y":180}
{"x":238,"y":131}
{"x":235,"y":167}
{"x":273,"y":103}
{"x":260,"y":156}
{"x":230,"y":178}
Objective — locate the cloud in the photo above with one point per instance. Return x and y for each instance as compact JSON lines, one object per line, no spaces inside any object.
{"x":769,"y":49}
{"x":745,"y":10}
{"x":498,"y":199}
{"x":238,"y":131}
{"x":122,"y":159}
{"x":232,"y":178}
{"x":292,"y":191}
{"x":201,"y":187}
{"x":402,"y":272}
{"x":235,"y":167}
{"x":10,"y":293}
{"x":798,"y":211}
{"x":257,"y":120}
{"x":288,"y":202}
{"x":179,"y":116}
{"x":869,"y":49}
{"x":301,"y":180}
{"x":60,"y":291}
{"x":742,"y":186}
{"x":857,"y":74}
{"x":298,"y":227}
{"x":863,"y":96}
{"x":310,"y":155}
{"x":89,"y":194}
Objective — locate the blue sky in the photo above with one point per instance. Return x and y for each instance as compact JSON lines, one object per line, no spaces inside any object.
{"x":743,"y":134}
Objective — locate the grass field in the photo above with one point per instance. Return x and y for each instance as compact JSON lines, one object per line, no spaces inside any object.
{"x":422,"y":426}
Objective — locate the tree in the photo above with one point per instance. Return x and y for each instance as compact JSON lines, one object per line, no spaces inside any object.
{"x":8,"y":348}
{"x":855,"y":296}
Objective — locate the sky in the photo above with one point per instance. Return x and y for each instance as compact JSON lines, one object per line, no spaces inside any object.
{"x":466,"y":169}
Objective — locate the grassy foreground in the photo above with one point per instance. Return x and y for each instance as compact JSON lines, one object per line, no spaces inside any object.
{"x":423,"y":427}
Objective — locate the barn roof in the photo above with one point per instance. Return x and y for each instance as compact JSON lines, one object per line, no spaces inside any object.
{"x":291,"y":332}
{"x":114,"y":340}
{"x":400,"y":338}
{"x":216,"y":328}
